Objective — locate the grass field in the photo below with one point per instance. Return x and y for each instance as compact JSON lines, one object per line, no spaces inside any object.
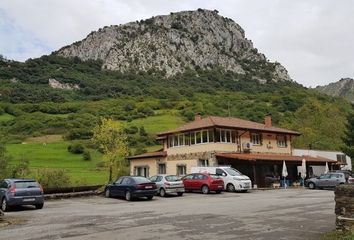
{"x":158,"y":123}
{"x":56,"y":156}
{"x":6,"y":117}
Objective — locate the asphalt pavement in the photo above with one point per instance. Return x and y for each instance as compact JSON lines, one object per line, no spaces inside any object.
{"x":270,"y":214}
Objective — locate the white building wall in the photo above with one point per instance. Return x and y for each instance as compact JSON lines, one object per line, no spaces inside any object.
{"x":326,"y":154}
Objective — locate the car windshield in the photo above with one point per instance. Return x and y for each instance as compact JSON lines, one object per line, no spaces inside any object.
{"x":233,"y":172}
{"x":215,"y":176}
{"x":27,"y":184}
{"x":172,"y":178}
{"x":141,"y":180}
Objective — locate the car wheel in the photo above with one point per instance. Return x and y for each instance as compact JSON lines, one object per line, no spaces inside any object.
{"x":312,"y":185}
{"x":4,"y":206}
{"x":107,"y":193}
{"x":230,"y":187}
{"x":149,"y":197}
{"x":39,"y":206}
{"x":218,"y":191}
{"x":205,"y":189}
{"x":128,"y":196}
{"x":180,"y":194}
{"x":162,"y":192}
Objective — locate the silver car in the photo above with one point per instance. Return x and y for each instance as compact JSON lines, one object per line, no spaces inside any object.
{"x":168,"y":184}
{"x":328,"y":180}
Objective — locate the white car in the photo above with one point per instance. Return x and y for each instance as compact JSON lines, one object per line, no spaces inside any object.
{"x":233,"y":179}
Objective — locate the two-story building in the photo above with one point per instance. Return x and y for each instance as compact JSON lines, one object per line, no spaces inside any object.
{"x":256,"y":149}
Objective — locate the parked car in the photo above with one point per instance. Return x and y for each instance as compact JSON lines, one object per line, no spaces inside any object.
{"x":203,"y":182}
{"x":168,"y":184}
{"x":131,"y":187}
{"x":347,"y":173}
{"x":233,"y":179}
{"x":18,"y":192}
{"x":328,"y":180}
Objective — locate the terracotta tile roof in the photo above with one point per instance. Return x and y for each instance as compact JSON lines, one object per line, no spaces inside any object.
{"x":273,"y":157}
{"x":149,"y":155}
{"x":228,"y":122}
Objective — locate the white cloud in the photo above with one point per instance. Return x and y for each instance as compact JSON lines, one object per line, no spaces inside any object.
{"x":312,"y":39}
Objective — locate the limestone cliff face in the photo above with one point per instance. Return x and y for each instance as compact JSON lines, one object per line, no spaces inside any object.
{"x":173,"y":43}
{"x":343,"y":88}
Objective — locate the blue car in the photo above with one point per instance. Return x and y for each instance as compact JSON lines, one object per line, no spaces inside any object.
{"x":131,"y":187}
{"x":17,"y":192}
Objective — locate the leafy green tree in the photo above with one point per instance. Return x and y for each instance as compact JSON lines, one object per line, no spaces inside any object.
{"x":348,"y":139}
{"x":4,"y":162}
{"x":111,"y":139}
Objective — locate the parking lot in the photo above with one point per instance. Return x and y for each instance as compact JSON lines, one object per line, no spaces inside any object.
{"x":271,"y":214}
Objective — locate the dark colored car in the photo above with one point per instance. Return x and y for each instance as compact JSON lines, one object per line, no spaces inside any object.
{"x":131,"y":187}
{"x":17,"y":192}
{"x":203,"y":182}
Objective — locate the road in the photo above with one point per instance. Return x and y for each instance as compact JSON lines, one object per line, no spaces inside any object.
{"x":271,"y":214}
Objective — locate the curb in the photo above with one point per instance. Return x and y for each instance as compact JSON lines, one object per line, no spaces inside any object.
{"x":70,"y":195}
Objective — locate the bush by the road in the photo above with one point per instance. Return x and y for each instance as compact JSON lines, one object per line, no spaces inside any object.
{"x":76,"y":148}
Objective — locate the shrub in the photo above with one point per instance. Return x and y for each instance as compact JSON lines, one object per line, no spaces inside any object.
{"x":76,"y":148}
{"x":52,"y":178}
{"x":86,"y":156}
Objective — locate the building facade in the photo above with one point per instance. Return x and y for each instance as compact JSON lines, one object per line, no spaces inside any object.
{"x":256,"y":149}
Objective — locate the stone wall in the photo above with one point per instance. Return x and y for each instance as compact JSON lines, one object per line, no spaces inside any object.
{"x":344,"y":197}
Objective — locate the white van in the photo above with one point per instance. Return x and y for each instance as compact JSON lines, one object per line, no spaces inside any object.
{"x":233,"y":179}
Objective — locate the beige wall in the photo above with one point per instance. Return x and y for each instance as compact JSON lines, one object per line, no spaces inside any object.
{"x":171,"y":165}
{"x":269,"y":144}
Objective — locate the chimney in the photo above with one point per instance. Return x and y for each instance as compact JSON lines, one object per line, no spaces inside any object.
{"x":197,"y":117}
{"x":268,"y":120}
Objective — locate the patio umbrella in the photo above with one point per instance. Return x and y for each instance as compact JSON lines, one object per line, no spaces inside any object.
{"x":284,"y":173}
{"x":303,"y":171}
{"x":327,"y":169}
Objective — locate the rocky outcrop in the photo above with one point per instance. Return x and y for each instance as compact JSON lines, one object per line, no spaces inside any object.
{"x":58,"y":85}
{"x":199,"y":39}
{"x":343,"y":88}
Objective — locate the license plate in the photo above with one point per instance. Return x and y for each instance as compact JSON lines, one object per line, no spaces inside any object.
{"x":220,"y":186}
{"x":147,"y":187}
{"x":28,"y":199}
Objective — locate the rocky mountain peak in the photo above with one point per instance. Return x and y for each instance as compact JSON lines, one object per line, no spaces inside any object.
{"x":342,"y":88}
{"x":200,"y":39}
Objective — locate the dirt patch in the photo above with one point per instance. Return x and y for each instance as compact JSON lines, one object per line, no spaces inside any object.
{"x":45,"y":139}
{"x":6,"y":221}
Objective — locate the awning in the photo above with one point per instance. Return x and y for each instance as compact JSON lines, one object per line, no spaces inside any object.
{"x":273,"y":157}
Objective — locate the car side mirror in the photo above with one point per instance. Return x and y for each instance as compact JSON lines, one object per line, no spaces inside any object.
{"x":223,"y":174}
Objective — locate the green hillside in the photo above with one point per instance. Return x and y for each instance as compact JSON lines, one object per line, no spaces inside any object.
{"x":148,"y":103}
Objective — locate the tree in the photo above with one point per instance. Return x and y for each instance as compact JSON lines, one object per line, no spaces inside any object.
{"x":111,"y":140}
{"x":349,"y":137}
{"x":3,"y":162}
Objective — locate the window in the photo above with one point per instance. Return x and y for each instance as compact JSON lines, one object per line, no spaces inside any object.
{"x":211,"y":135}
{"x":153,"y":179}
{"x":256,"y":139}
{"x":225,"y":136}
{"x":205,"y":137}
{"x":325,"y":176}
{"x":187,"y":139}
{"x":198,"y":137}
{"x":219,"y":172}
{"x":192,"y":138}
{"x":119,"y":181}
{"x":142,"y":171}
{"x":170,"y":140}
{"x":126,"y":181}
{"x":341,"y":158}
{"x":203,"y":163}
{"x":281,"y":141}
{"x":200,"y":177}
{"x":3,"y":184}
{"x":162,"y":168}
{"x":181,"y":170}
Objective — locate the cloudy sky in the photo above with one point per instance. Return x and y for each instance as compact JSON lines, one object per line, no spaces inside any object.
{"x":313,"y":39}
